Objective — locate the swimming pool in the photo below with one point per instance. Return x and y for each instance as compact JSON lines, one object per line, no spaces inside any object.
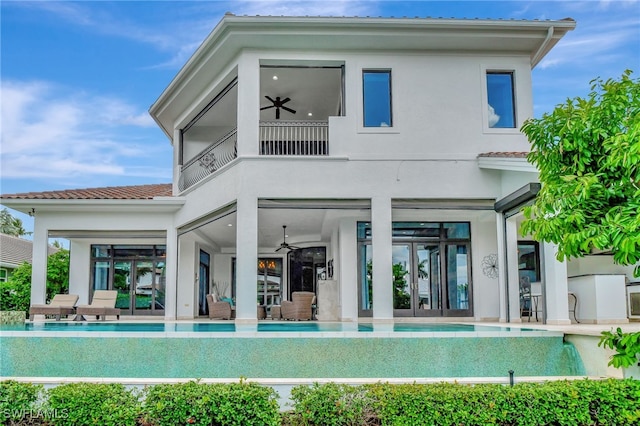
{"x":339,"y":328}
{"x":273,"y":350}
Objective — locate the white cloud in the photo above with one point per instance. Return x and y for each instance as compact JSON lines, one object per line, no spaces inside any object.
{"x":48,"y":131}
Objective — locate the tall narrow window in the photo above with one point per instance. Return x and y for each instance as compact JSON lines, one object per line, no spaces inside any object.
{"x":500,"y":96}
{"x":376,"y":88}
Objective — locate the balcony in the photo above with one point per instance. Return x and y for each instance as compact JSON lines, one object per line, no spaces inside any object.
{"x":209,"y":160}
{"x":288,"y":138}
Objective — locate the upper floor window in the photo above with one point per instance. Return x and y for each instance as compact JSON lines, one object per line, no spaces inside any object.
{"x":500,"y":96}
{"x":376,"y":95}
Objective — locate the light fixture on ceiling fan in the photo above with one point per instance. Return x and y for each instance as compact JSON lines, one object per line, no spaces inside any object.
{"x":278,"y":104}
{"x":284,"y":244}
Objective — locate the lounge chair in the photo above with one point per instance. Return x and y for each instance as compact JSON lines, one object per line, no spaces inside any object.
{"x":217,"y":308}
{"x":103,"y":304}
{"x":300,"y":307}
{"x":61,"y":304}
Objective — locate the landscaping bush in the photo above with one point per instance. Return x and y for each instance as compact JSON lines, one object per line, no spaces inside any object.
{"x":18,"y":401}
{"x":105,"y":404}
{"x":202,"y":404}
{"x":583,"y":402}
{"x":331,"y":404}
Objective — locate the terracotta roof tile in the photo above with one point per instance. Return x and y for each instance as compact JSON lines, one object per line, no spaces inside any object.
{"x":504,"y":154}
{"x":135,"y":192}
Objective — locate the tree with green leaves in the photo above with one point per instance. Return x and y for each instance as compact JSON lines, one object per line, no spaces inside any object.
{"x":10,"y":225}
{"x":588,"y":154}
{"x":15,"y":293}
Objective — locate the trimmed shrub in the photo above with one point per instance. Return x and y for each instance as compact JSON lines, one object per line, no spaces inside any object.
{"x":332,"y":404}
{"x":582,"y":402}
{"x":18,"y":401}
{"x":105,"y":404}
{"x":203,"y":404}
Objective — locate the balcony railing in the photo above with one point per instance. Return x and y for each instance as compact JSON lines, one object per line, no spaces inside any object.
{"x":209,"y":160}
{"x":297,"y":138}
{"x":293,"y":138}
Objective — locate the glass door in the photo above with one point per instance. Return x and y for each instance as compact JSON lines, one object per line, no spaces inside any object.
{"x":122,"y":270}
{"x":403,"y":282}
{"x":456,"y":294}
{"x":425,"y":283}
{"x":140,"y":286}
{"x":428,"y":279}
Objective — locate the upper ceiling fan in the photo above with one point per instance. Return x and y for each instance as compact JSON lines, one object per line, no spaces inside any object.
{"x":277,"y":104}
{"x":283,"y":244}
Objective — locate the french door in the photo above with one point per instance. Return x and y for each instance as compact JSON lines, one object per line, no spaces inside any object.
{"x":431,"y":279}
{"x":139,"y":286}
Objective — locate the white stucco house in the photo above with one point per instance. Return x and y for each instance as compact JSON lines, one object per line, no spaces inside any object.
{"x":389,"y":149}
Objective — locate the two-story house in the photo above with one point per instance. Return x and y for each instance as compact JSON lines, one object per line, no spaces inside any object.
{"x":375,"y":161}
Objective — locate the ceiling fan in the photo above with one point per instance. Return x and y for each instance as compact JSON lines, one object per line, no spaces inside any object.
{"x":284,"y":244}
{"x":278,"y":104}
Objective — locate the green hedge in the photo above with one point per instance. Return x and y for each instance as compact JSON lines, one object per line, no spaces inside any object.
{"x":202,"y":404}
{"x":18,"y":400}
{"x":583,"y":402}
{"x":79,"y":404}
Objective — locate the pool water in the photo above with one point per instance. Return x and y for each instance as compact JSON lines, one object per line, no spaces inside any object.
{"x":277,"y":327}
{"x":280,"y":350}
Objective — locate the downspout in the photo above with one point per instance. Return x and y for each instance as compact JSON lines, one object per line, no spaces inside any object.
{"x":536,"y":57}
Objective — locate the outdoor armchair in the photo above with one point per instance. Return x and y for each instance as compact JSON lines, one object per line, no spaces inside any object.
{"x":300,"y":307}
{"x":217,"y":308}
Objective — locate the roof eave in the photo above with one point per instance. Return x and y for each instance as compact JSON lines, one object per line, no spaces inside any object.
{"x":158,"y":204}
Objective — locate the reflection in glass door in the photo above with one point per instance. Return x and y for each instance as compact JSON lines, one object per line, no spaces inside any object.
{"x":428,"y":284}
{"x":428,"y":279}
{"x":143,"y":294}
{"x":122,"y":283}
{"x":403,"y":287}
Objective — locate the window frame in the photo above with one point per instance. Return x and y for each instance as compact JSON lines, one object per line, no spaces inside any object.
{"x":486,"y":71}
{"x":392,"y":123}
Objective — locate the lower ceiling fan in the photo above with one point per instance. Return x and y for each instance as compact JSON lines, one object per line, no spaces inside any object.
{"x":278,"y":104}
{"x":283,"y":244}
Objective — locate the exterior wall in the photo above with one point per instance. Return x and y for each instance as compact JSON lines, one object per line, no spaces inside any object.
{"x":78,"y":222}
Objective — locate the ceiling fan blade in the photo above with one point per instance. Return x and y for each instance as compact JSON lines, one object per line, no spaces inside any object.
{"x":277,"y":113}
{"x":284,"y":101}
{"x":292,"y":111}
{"x":267,"y":107}
{"x":269,"y":97}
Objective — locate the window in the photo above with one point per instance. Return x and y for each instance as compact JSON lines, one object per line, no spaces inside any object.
{"x":3,"y":275}
{"x":500,"y":98}
{"x":529,"y":260}
{"x":376,"y":96}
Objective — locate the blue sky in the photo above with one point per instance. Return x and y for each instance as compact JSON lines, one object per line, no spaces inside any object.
{"x":77,"y":78}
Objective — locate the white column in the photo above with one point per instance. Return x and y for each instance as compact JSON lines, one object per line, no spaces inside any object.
{"x":513,"y":277}
{"x":248,"y":104}
{"x":39,"y":262}
{"x":171,"y":274}
{"x":187,"y":277}
{"x":502,"y":267}
{"x":381,"y":246}
{"x":247,"y":258}
{"x":346,"y":269}
{"x":556,"y":285}
{"x":79,"y":273}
